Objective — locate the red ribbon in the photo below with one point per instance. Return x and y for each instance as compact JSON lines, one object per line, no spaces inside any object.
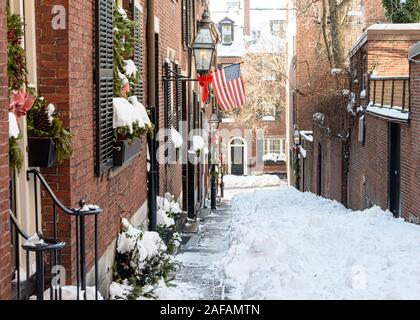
{"x":204,"y":82}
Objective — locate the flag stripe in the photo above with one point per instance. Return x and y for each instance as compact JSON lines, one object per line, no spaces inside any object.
{"x":229,"y":87}
{"x":227,"y":91}
{"x":219,"y":90}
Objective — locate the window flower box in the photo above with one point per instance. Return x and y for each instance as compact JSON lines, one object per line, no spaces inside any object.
{"x":126,"y":150}
{"x":41,"y":152}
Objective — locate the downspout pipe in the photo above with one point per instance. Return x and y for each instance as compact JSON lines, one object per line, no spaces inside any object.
{"x":151,"y":102}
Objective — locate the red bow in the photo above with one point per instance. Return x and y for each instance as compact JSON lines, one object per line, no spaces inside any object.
{"x":204,"y":82}
{"x":20,"y":103}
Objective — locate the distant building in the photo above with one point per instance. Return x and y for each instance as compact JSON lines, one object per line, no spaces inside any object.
{"x":253,"y":28}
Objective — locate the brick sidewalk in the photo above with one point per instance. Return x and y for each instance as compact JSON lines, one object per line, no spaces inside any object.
{"x":201,"y":253}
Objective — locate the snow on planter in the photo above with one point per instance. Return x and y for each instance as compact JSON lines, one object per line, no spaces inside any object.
{"x":274,"y":157}
{"x":176,"y":138}
{"x":123,"y":113}
{"x":142,"y":110}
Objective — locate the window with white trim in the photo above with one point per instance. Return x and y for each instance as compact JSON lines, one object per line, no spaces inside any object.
{"x":274,"y":150}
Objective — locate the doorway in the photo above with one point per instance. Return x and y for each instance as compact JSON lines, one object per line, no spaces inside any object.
{"x":394,"y":169}
{"x":237,"y":157}
{"x":319,"y":188}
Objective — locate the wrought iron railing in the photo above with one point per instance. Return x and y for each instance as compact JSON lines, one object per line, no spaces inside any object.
{"x":391,"y":92}
{"x":48,"y":251}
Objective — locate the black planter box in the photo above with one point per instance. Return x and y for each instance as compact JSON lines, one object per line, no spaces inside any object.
{"x":41,"y":152}
{"x":125,"y":151}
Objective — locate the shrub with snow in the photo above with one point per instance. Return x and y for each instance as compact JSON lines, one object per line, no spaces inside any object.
{"x":142,"y":263}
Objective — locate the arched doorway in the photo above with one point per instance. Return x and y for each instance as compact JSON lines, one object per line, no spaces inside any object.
{"x":237,"y":156}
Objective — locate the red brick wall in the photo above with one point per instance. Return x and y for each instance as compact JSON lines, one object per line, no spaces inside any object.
{"x":331,"y":166}
{"x":410,"y":151}
{"x":388,"y":58}
{"x":369,"y":163}
{"x":5,"y":257}
{"x":65,"y":71}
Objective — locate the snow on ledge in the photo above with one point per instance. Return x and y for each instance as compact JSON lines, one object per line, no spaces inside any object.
{"x":307,"y":135}
{"x":388,"y":112}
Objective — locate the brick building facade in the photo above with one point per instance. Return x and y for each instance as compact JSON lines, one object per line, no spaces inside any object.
{"x":378,"y":163}
{"x":314,"y":79}
{"x":65,"y":74}
{"x":248,"y":36}
{"x":5,"y":256}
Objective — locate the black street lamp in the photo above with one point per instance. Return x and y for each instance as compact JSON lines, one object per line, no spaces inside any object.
{"x":204,"y":45}
{"x":203,"y":49}
{"x":214,"y":126}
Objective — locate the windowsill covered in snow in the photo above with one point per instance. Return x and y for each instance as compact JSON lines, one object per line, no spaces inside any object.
{"x":387,"y":112}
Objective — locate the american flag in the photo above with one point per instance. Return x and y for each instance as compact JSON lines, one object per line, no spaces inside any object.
{"x":228,"y":85}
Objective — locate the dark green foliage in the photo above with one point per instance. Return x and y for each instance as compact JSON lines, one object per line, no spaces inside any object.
{"x":15,"y":155}
{"x":37,"y":128}
{"x":398,"y":12}
{"x":151,"y":272}
{"x":124,"y":42}
{"x":16,"y":62}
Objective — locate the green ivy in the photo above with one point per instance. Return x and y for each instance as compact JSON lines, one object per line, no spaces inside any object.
{"x":398,"y":12}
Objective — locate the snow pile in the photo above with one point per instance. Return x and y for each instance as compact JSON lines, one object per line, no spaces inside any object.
{"x":123,"y":114}
{"x":128,"y":112}
{"x":176,"y":138}
{"x":238,"y":182}
{"x":143,"y":244}
{"x":274,"y":157}
{"x":144,"y":262}
{"x":292,"y":245}
{"x":144,"y":117}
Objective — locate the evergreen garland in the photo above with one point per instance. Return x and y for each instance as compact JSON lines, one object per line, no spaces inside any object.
{"x":124,"y":43}
{"x":398,"y":11}
{"x":15,"y":154}
{"x":16,"y":58}
{"x":17,"y":76}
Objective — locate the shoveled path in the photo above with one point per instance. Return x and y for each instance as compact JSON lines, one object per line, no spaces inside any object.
{"x":200,"y":252}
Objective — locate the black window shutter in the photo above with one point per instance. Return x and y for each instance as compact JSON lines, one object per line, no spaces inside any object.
{"x":184,"y":12}
{"x":178,"y":105}
{"x":104,"y":87}
{"x":184,"y":117}
{"x":138,"y":51}
{"x":167,"y":110}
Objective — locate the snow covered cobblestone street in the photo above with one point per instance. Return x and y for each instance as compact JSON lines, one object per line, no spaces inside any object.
{"x":285,"y":244}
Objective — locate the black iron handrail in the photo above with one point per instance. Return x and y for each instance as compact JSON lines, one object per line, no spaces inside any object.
{"x":54,"y":246}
